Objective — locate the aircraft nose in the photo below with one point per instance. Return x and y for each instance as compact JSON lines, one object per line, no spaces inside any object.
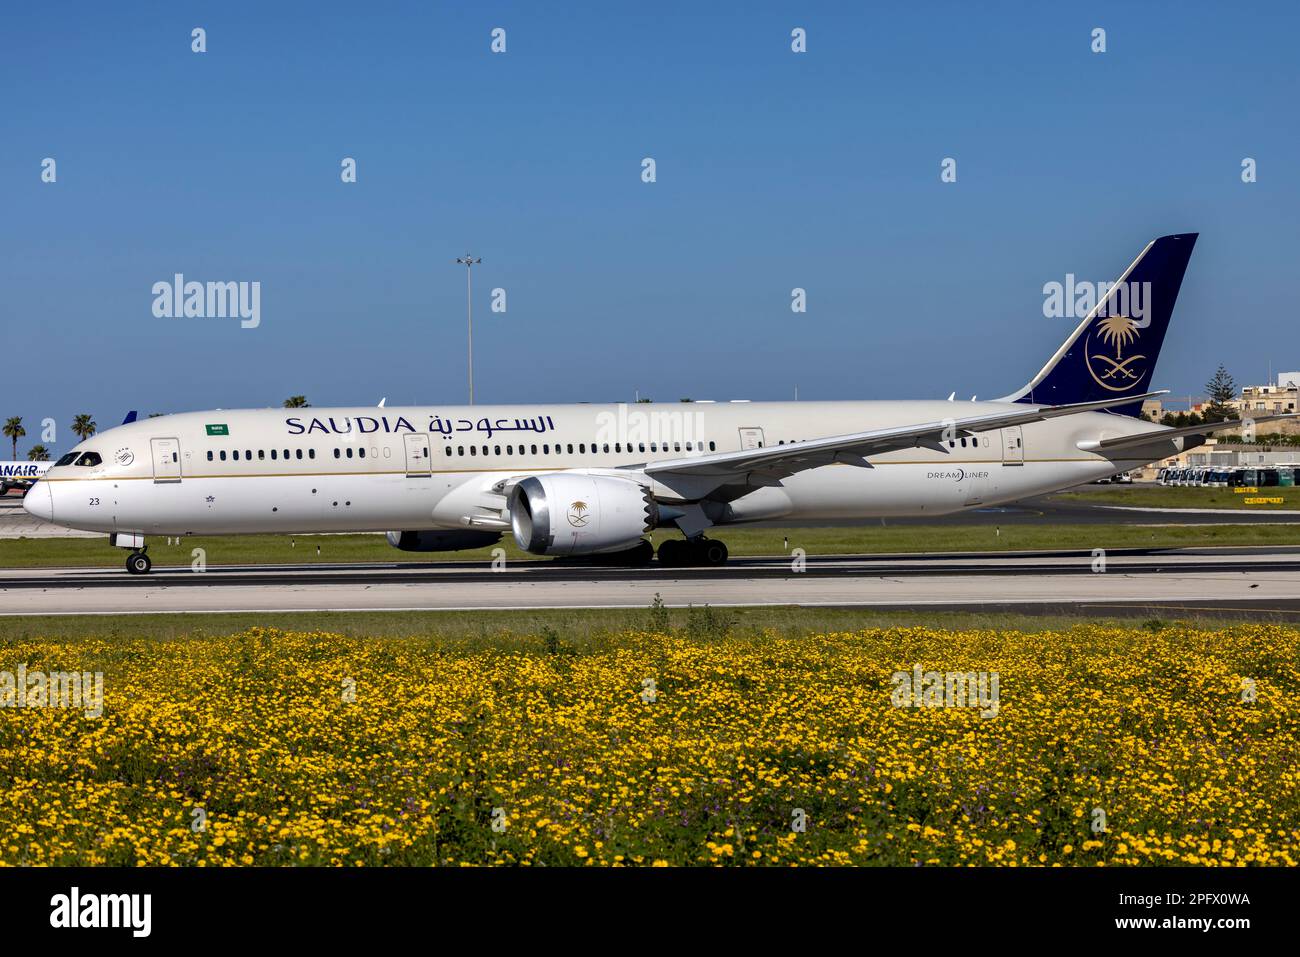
{"x":39,"y":501}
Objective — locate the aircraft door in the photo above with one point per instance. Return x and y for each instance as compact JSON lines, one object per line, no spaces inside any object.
{"x":166,"y":459}
{"x":417,"y":454}
{"x":1013,"y":446}
{"x":751,"y":439}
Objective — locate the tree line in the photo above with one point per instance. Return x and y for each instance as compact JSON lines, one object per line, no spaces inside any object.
{"x":84,"y":426}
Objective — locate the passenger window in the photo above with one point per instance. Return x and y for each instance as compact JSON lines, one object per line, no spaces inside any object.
{"x":337,"y":453}
{"x":641,"y":446}
{"x":209,"y":456}
{"x":223,"y":455}
{"x":234,"y":454}
{"x":496,"y":450}
{"x":570,"y":448}
{"x":361,"y":452}
{"x":448,"y":449}
{"x":534,"y":448}
{"x":510,"y":450}
{"x":473,"y":450}
{"x":711,"y":446}
{"x":349,"y":452}
{"x":582,"y":448}
{"x":311,"y":454}
{"x":261,"y":455}
{"x":546,"y":450}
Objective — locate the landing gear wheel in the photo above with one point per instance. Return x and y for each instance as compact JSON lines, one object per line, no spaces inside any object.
{"x":673,"y":553}
{"x":138,"y":563}
{"x":641,"y":554}
{"x":676,"y":553}
{"x":712,"y":552}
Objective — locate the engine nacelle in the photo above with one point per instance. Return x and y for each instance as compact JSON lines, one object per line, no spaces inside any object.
{"x":564,"y":513}
{"x":449,"y":540}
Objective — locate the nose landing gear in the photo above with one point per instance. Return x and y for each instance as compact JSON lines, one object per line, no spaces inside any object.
{"x":678,"y":553}
{"x":138,"y":563}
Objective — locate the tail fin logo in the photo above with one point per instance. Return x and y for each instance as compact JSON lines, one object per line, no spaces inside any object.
{"x":1110,"y":368}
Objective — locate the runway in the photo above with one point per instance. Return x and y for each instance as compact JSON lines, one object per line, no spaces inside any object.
{"x":1258,"y":584}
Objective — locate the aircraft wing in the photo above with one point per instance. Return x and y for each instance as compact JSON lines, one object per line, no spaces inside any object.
{"x":1150,"y":438}
{"x":700,"y":474}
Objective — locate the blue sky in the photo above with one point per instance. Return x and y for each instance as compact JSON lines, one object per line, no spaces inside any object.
{"x":774,"y":170}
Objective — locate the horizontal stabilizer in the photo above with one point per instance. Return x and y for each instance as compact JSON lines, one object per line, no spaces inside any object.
{"x":1161,"y":435}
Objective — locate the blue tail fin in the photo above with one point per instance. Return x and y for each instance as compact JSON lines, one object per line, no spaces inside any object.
{"x":1113,"y":351}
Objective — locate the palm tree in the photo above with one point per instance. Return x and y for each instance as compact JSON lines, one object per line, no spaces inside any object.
{"x":84,"y":426}
{"x":15,"y":431}
{"x":297,"y":402}
{"x":38,"y":453}
{"x":1119,"y":331}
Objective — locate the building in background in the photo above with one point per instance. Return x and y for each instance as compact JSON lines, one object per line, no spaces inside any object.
{"x":1268,"y":399}
{"x":1152,"y":409}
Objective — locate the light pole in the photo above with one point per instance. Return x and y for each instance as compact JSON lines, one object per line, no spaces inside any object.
{"x":469,"y":263}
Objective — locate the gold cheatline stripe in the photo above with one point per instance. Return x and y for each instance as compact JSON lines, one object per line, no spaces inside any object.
{"x":522,"y":468}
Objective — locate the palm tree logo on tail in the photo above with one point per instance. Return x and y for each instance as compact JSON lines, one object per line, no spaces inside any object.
{"x":1117,"y":372}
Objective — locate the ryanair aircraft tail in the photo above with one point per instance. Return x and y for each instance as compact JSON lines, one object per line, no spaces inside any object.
{"x":1113,"y":351}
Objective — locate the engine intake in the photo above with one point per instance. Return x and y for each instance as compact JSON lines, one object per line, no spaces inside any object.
{"x":565,"y":513}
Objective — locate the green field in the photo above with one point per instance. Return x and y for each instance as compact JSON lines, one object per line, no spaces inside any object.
{"x":870,"y":539}
{"x":1156,"y":496}
{"x":528,"y":629}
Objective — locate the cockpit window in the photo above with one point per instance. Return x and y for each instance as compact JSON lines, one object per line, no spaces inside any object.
{"x":89,"y":459}
{"x":67,"y":459}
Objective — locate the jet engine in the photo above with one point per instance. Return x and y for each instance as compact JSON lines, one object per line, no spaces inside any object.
{"x":450,"y":540}
{"x":564,"y":513}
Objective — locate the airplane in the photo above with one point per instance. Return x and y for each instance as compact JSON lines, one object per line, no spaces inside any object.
{"x":20,"y":475}
{"x":592,"y":480}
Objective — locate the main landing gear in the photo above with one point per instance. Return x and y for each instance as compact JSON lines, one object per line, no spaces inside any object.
{"x":681,"y":553}
{"x":138,"y":563}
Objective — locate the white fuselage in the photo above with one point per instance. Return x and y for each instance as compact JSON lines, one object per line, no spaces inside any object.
{"x":421,"y":468}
